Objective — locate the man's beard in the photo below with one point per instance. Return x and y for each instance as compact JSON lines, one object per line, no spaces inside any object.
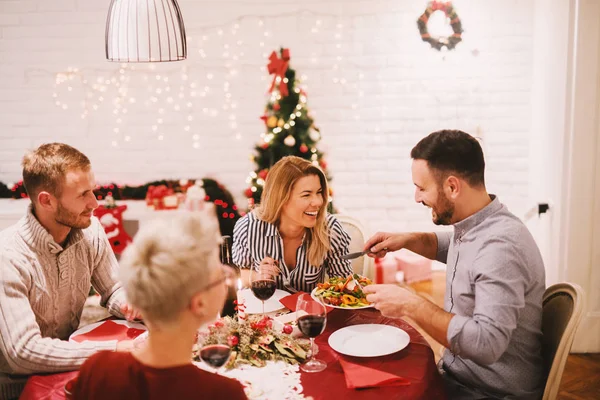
{"x":444,"y":210}
{"x":69,"y":219}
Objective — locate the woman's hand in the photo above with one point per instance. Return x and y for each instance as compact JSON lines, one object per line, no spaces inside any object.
{"x":130,"y":313}
{"x":269,"y":266}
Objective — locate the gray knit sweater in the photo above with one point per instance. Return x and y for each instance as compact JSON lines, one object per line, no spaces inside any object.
{"x":43,"y":288}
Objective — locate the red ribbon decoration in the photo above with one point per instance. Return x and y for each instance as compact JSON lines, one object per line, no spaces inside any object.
{"x":438,"y":5}
{"x":279,"y":66}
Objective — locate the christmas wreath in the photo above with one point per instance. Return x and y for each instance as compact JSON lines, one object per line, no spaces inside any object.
{"x":437,"y":43}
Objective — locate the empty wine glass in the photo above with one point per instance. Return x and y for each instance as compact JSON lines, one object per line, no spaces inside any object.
{"x":263,"y":285}
{"x":215,"y":355}
{"x":311,"y":322}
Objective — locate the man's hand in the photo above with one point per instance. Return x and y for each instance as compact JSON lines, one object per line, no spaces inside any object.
{"x":130,"y":313}
{"x":383,"y":242}
{"x":393,"y":301}
{"x":396,"y":302}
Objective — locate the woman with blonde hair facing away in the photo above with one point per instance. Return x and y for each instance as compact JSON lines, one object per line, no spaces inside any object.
{"x":290,"y":233}
{"x":172,"y":275}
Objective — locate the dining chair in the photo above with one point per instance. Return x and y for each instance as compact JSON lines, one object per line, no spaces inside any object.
{"x":362,"y":265}
{"x":562,"y":313}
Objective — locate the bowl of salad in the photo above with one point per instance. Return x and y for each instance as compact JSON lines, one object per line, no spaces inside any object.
{"x":343,"y":292}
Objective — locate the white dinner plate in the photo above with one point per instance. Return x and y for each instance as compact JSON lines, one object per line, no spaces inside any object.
{"x":88,"y":328}
{"x":368,"y":340}
{"x":254,"y":305}
{"x":314,"y":296}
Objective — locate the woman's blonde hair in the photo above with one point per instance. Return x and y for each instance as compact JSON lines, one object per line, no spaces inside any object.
{"x":169,"y":261}
{"x":276,"y":193}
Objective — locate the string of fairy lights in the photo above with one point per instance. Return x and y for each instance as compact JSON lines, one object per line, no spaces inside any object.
{"x":204,"y":87}
{"x":174,"y":90}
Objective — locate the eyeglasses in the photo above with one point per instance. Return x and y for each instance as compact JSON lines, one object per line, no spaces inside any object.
{"x":228,"y":278}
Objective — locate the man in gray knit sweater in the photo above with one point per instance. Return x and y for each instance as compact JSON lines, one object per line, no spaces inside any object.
{"x":48,"y":260}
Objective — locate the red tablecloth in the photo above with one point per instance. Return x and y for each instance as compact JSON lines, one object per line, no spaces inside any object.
{"x":415,"y":363}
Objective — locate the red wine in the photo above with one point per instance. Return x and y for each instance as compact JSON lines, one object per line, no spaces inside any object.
{"x":311,"y":325}
{"x":263,"y":289}
{"x":215,"y":355}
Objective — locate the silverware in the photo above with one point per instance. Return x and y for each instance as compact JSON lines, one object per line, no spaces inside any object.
{"x":356,"y":282}
{"x":352,"y":256}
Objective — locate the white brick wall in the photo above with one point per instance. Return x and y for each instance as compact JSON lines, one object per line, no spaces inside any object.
{"x":397,"y":90}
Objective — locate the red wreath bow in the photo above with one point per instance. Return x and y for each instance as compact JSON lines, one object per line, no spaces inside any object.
{"x":438,"y":5}
{"x":278,"y":66}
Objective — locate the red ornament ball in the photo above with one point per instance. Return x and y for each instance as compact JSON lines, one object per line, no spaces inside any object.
{"x":248,"y":192}
{"x":323,"y":164}
{"x":288,"y":329}
{"x":303,"y":148}
{"x":264,"y":146}
{"x":263,"y":174}
{"x":232,"y":340}
{"x":276,"y":107}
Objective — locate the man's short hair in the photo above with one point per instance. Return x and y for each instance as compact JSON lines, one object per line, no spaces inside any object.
{"x":452,"y":152}
{"x":44,"y":168}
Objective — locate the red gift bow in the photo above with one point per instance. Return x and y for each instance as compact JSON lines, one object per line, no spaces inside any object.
{"x":278,"y":66}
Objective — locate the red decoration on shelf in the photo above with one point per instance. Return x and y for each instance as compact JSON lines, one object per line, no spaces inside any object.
{"x":277,"y":67}
{"x":248,"y":192}
{"x":276,"y":107}
{"x":303,"y":148}
{"x":265,"y":146}
{"x":323,"y":164}
{"x":161,"y":198}
{"x":112,"y":221}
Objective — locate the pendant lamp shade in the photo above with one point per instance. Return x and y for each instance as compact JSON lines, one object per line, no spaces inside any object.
{"x":145,"y":31}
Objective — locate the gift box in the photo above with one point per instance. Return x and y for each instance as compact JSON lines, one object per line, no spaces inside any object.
{"x":161,"y":198}
{"x":415,"y":267}
{"x":402,"y":266}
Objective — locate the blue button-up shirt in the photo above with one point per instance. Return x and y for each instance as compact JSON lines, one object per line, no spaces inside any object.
{"x":495,"y":284}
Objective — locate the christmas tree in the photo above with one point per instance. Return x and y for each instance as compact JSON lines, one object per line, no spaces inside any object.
{"x":289,"y":128}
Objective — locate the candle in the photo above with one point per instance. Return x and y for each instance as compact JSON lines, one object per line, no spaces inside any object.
{"x":240,"y":300}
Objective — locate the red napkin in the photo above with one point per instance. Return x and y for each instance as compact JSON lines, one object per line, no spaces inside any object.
{"x":361,"y":376}
{"x":290,"y":301}
{"x":109,"y":330}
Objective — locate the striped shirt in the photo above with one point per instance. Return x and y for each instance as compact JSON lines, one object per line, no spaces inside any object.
{"x":255,"y":239}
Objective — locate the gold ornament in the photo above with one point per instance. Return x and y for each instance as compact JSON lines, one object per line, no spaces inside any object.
{"x":280,"y":123}
{"x":272,"y":121}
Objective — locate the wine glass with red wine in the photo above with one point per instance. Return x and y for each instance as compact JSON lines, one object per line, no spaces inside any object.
{"x":215,"y":355}
{"x":311,"y":322}
{"x":263,"y":285}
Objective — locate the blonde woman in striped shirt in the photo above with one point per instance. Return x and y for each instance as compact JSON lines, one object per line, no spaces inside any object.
{"x":290,"y":232}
